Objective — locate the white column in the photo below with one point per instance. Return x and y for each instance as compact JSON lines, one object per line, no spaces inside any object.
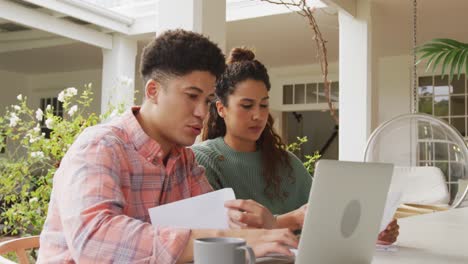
{"x":118,"y":73}
{"x":203,"y":16}
{"x":356,"y":78}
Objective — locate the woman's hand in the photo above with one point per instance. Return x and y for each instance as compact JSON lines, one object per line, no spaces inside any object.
{"x":293,"y":220}
{"x":390,"y":234}
{"x":299,"y":215}
{"x":249,"y":214}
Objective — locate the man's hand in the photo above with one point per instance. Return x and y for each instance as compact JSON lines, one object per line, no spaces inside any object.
{"x":271,"y":241}
{"x":262,"y":241}
{"x":390,"y":234}
{"x":249,"y":214}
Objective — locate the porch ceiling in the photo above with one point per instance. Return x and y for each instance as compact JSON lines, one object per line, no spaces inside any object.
{"x":279,"y":40}
{"x":436,"y":19}
{"x":73,"y":20}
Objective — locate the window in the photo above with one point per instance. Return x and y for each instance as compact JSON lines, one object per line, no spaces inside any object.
{"x":54,"y":103}
{"x":2,"y":150}
{"x":446,"y":101}
{"x":57,"y":107}
{"x":308,"y":93}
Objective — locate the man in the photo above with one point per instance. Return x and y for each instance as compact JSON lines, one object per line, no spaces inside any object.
{"x":114,"y":173}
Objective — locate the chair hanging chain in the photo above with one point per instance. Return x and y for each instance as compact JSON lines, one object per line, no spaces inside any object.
{"x":414,"y":106}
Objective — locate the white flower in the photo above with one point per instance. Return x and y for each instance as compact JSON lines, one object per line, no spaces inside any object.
{"x":71,"y":91}
{"x":37,"y":154}
{"x":33,"y":200}
{"x":125,"y":81}
{"x":49,"y":123}
{"x":39,"y":114}
{"x":129,"y":82}
{"x":16,"y":107}
{"x":14,"y":120}
{"x":48,"y":108}
{"x":19,"y":97}
{"x":122,"y":79}
{"x":61,"y":96}
{"x":37,"y":129}
{"x":113,"y":114}
{"x":33,"y":139}
{"x":72,"y":110}
{"x":67,"y":93}
{"x":35,"y":135}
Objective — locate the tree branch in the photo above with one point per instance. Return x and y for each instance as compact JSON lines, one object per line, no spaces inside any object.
{"x":307,"y":12}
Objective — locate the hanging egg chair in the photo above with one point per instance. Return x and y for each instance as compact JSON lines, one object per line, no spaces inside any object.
{"x":430,"y":158}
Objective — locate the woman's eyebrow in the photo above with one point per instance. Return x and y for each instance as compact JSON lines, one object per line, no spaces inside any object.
{"x":253,"y":100}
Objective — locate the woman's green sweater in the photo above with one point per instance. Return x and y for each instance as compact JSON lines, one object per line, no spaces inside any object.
{"x":242,"y":171}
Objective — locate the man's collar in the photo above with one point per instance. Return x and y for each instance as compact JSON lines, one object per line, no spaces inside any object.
{"x":149,"y":148}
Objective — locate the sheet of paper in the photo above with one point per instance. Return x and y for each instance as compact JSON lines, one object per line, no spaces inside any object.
{"x":387,"y":248}
{"x":200,"y":212}
{"x":393,"y":201}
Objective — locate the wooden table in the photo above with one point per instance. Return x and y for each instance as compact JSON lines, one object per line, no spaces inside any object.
{"x":436,"y":238}
{"x":440,"y":238}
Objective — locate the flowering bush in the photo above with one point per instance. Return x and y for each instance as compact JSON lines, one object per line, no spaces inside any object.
{"x":310,"y":160}
{"x":31,"y":157}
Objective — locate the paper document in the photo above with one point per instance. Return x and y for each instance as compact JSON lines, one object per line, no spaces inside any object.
{"x":387,"y":248}
{"x":205,"y":211}
{"x":393,"y":201}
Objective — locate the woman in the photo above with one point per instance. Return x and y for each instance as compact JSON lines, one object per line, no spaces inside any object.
{"x":242,"y":151}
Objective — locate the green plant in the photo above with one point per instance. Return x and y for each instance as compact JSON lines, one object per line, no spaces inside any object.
{"x":450,"y":54}
{"x":310,"y":160}
{"x":30,"y":159}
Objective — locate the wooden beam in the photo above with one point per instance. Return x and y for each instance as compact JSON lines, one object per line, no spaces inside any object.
{"x":34,"y":19}
{"x":33,"y":44}
{"x":144,"y":25}
{"x":25,"y":35}
{"x":89,"y":13}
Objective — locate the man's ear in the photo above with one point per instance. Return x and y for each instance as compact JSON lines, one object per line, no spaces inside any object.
{"x":220,"y":108}
{"x":152,"y":90}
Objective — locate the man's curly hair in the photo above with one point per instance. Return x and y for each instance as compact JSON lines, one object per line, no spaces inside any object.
{"x":179,"y":52}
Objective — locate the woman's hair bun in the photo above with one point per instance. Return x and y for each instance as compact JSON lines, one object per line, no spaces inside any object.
{"x":240,"y":54}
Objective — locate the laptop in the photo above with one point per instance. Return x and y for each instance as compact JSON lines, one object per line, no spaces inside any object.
{"x":346,"y":205}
